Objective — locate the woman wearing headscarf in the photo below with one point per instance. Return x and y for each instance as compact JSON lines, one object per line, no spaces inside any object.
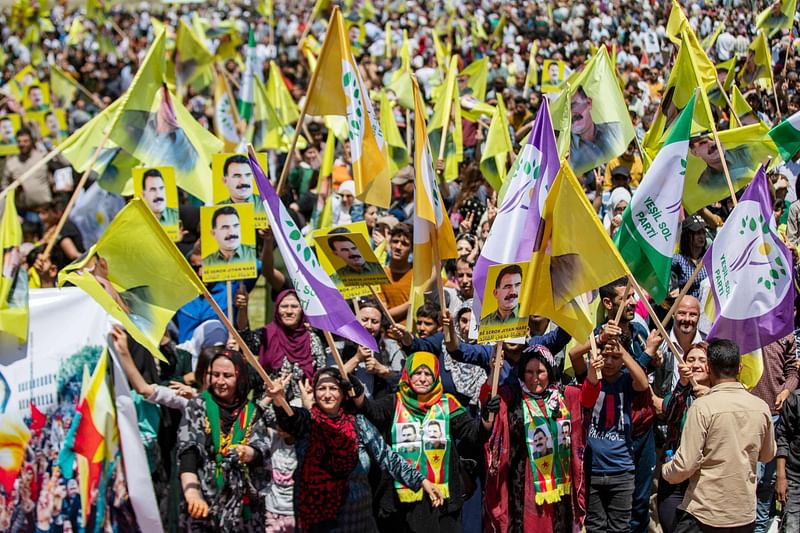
{"x":620,"y":198}
{"x":221,"y":450}
{"x":422,"y":423}
{"x":335,"y":449}
{"x":285,"y":346}
{"x":534,"y":480}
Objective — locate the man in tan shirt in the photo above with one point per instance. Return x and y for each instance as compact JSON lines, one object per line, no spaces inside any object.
{"x":727,"y":432}
{"x":35,"y":191}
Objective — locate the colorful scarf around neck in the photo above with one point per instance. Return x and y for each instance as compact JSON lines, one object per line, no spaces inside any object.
{"x":548,"y":442}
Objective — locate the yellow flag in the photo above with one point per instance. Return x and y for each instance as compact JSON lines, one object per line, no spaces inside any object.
{"x":398,"y":153}
{"x":192,"y":57}
{"x":136,"y":274}
{"x":448,"y":111}
{"x":224,"y":119}
{"x":337,"y":89}
{"x":758,"y":65}
{"x":498,"y":146}
{"x":76,"y":31}
{"x":741,"y":108}
{"x":13,"y":278}
{"x":778,"y":16}
{"x":710,"y":39}
{"x":474,"y":95}
{"x":280,"y":97}
{"x":532,"y":78}
{"x":401,"y":79}
{"x":574,"y":257}
{"x":745,"y":149}
{"x":676,"y":23}
{"x":114,"y":165}
{"x":268,"y":132}
{"x":441,"y":53}
{"x":62,"y":86}
{"x":154,"y":127}
{"x":432,"y":226}
{"x":591,"y":116}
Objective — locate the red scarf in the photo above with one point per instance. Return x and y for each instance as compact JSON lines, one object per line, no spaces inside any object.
{"x":331,"y":456}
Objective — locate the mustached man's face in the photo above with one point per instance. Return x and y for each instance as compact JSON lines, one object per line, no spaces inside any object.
{"x":349,"y":252}
{"x":227,"y":232}
{"x":239,"y":181}
{"x":153,"y":193}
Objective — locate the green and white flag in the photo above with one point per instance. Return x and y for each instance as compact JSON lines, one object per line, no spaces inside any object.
{"x":786,"y":136}
{"x":246,"y":90}
{"x":650,"y":224}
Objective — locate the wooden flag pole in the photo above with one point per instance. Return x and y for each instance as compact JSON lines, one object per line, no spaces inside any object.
{"x":621,"y":307}
{"x":408,"y":131}
{"x":777,"y":104}
{"x":229,"y":296}
{"x":248,"y":355}
{"x":301,"y":120}
{"x":337,"y":357}
{"x":788,"y":49}
{"x":31,"y":171}
{"x":382,"y":306}
{"x":437,"y":267}
{"x":684,"y":291}
{"x":497,"y":365}
{"x":654,"y":317}
{"x":593,"y":344}
{"x":730,"y":104}
{"x":65,"y":215}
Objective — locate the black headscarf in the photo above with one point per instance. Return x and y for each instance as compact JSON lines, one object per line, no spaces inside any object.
{"x":228,"y":411}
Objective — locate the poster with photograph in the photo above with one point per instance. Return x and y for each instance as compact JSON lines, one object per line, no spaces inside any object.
{"x":156,"y":186}
{"x":552,"y":75}
{"x":52,"y":124}
{"x":228,"y":242}
{"x":354,"y":262}
{"x":233,"y":183}
{"x":9,"y":126}
{"x":500,"y":314}
{"x":36,"y":97}
{"x":348,"y":292}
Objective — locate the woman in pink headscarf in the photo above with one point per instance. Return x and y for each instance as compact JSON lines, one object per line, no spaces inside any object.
{"x":286,"y":345}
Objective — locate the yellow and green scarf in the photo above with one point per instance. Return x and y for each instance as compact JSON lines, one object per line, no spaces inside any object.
{"x":421,"y":428}
{"x":548,"y":437}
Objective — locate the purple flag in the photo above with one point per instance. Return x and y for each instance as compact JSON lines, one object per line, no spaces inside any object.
{"x":750,"y":270}
{"x":322,"y":304}
{"x":516,"y":225}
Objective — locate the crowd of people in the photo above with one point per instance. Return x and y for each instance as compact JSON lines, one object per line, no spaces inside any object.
{"x":624,"y":436}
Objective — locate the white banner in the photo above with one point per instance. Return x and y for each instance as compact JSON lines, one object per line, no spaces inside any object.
{"x":62,"y":323}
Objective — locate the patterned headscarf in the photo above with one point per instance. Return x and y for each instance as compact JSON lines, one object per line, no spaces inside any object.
{"x":418,"y":404}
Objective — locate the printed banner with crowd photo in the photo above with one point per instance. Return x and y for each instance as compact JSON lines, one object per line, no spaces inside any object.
{"x":40,"y":476}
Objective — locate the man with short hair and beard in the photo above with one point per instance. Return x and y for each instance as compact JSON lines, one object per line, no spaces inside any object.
{"x":684,"y":333}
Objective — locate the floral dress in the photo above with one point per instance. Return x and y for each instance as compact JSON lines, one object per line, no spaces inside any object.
{"x":243,"y":483}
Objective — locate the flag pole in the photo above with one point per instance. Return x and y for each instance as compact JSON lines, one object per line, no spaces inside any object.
{"x":593,"y":345}
{"x":65,"y":215}
{"x":301,"y":120}
{"x":788,"y":49}
{"x":684,"y":291}
{"x":248,"y":355}
{"x":621,"y":307}
{"x":714,"y":133}
{"x":382,"y":306}
{"x":31,"y":171}
{"x":337,"y":357}
{"x":730,"y":104}
{"x":82,"y":89}
{"x":437,"y":267}
{"x":443,"y":141}
{"x":497,"y":364}
{"x":654,"y":317}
